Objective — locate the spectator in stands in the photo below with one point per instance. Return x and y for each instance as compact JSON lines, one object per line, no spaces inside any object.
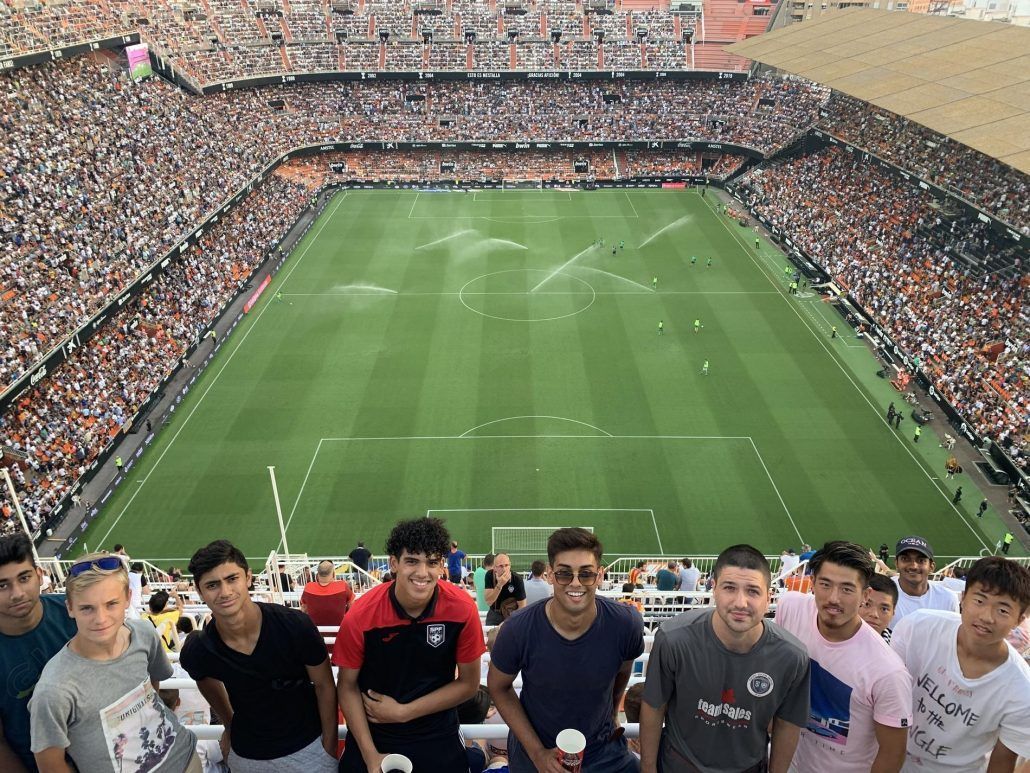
{"x":721,"y":677}
{"x":264,"y":670}
{"x":878,"y":608}
{"x":629,"y":598}
{"x":96,"y":700}
{"x":954,"y":578}
{"x":479,"y":581}
{"x":964,"y":668}
{"x":398,"y":650}
{"x":788,"y":560}
{"x":538,"y":588}
{"x":326,"y":599}
{"x":33,"y":627}
{"x":164,"y":619}
{"x":861,"y":703}
{"x":285,"y":580}
{"x":913,"y":557}
{"x":505,"y":591}
{"x":454,"y":563}
{"x":631,"y":708}
{"x":137,"y":583}
{"x":688,"y":575}
{"x":360,"y":556}
{"x":636,"y":574}
{"x":575,"y":653}
{"x":668,"y":577}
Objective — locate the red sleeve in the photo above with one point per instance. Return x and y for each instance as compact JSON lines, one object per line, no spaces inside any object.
{"x":470,"y":642}
{"x":348,"y":599}
{"x":349,"y":647}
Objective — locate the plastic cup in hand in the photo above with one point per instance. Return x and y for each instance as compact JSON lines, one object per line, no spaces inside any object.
{"x":396,"y":763}
{"x":571,"y":745}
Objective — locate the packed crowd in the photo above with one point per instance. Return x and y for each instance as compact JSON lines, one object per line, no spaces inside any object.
{"x":988,"y":184}
{"x":860,"y":666}
{"x":69,"y":418}
{"x":969,"y":334}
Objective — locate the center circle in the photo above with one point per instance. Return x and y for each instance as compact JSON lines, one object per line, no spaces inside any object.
{"x":527,"y":295}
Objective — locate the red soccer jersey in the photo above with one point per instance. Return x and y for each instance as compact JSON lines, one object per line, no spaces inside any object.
{"x":327,"y":604}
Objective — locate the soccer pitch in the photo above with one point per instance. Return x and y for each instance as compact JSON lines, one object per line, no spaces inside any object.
{"x":479,"y":357}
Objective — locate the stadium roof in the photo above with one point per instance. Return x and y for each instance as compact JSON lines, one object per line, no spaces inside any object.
{"x":968,"y":80}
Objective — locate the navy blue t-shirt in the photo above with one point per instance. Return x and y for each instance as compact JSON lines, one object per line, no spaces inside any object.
{"x":21,"y":662}
{"x":568,"y":684}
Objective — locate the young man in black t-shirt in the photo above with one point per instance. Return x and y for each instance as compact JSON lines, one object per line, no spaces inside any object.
{"x":505,"y":591}
{"x":264,"y":670}
{"x":398,"y":649}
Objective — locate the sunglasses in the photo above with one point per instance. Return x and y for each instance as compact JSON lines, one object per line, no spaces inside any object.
{"x":107,"y":564}
{"x":586,"y":577}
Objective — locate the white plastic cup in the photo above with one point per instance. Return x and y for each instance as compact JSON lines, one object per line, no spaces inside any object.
{"x":571,"y":746}
{"x":396,"y":762}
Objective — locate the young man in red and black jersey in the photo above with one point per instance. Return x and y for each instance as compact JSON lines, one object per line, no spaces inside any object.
{"x":397,"y":650}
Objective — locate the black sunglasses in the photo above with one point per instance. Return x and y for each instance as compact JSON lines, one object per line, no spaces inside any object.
{"x":586,"y":577}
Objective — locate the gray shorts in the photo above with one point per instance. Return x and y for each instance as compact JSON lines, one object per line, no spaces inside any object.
{"x":311,"y":759}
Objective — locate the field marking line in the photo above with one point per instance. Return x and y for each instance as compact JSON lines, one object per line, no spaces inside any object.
{"x":631,"y":204}
{"x":545,"y":292}
{"x":654,"y":522}
{"x":515,"y":418}
{"x":413,"y":203}
{"x":225,"y":364}
{"x":776,"y":489}
{"x":542,"y":437}
{"x":296,"y":502}
{"x":879,"y":414}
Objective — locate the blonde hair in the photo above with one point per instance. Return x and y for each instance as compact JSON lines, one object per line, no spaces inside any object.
{"x":95,"y":574}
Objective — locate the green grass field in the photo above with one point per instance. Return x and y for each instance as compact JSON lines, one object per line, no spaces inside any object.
{"x":476,"y":357}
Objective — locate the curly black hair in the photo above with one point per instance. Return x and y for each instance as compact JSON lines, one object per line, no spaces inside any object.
{"x":428,"y":536}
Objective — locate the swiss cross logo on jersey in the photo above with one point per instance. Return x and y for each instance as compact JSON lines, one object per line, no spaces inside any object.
{"x":435,"y":634}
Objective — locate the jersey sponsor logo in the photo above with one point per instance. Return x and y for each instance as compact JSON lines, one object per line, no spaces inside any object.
{"x":435,"y":634}
{"x":723,"y":713}
{"x":760,"y":684}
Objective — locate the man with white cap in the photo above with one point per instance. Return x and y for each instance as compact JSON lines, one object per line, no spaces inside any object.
{"x":913,"y":557}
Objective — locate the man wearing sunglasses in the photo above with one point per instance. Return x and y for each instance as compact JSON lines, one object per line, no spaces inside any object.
{"x":575,"y":653}
{"x":33,"y":628}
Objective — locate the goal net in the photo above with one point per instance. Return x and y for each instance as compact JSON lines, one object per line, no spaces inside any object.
{"x":523,"y":540}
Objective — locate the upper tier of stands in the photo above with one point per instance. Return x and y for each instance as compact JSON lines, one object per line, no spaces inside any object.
{"x":219,"y":40}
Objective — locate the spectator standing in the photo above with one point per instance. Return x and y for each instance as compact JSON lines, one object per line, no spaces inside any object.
{"x":972,"y":689}
{"x":537,"y":588}
{"x":913,"y":558}
{"x":668,"y":577}
{"x":33,"y":627}
{"x":454,"y":559}
{"x":137,"y":583}
{"x":505,"y":591}
{"x":264,"y":670}
{"x":721,"y":677}
{"x":575,"y":653}
{"x":398,"y":650}
{"x":326,"y":599}
{"x":479,"y":581}
{"x":96,"y":700}
{"x":788,"y":561}
{"x":360,"y":556}
{"x":689,"y":576}
{"x":861,"y":700}
{"x":881,"y":601}
{"x":636,"y":574}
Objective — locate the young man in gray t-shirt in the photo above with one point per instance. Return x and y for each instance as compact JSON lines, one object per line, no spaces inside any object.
{"x":720,"y":677}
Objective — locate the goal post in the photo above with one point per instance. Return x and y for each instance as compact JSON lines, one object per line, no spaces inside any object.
{"x":523,"y":540}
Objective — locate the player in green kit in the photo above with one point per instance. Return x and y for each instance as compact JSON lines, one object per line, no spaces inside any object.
{"x":704,"y":369}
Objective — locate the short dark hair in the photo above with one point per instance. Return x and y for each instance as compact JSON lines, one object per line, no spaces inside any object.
{"x":184,"y":624}
{"x":137,"y":566}
{"x":16,"y":549}
{"x":743,"y":557}
{"x":884,"y":584}
{"x":631,"y":702}
{"x":1003,"y":577}
{"x":628,"y":587}
{"x":687,"y":563}
{"x":213,"y":555}
{"x":847,"y":554}
{"x":959,"y":572}
{"x":537,"y":568}
{"x":488,"y":559}
{"x":419,"y":535}
{"x":157,"y":601}
{"x":118,"y":546}
{"x":573,"y":538}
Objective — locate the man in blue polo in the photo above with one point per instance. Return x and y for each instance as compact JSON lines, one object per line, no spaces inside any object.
{"x":33,"y":628}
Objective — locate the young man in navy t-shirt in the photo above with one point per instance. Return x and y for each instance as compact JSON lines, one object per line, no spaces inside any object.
{"x":398,"y":649}
{"x":575,"y":653}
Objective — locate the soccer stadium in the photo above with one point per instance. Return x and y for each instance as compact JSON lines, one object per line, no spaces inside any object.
{"x":682,"y":274}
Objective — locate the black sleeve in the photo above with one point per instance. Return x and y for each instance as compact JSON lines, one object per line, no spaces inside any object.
{"x":520,"y":588}
{"x":309,"y":644}
{"x":489,"y":583}
{"x":193,"y":657}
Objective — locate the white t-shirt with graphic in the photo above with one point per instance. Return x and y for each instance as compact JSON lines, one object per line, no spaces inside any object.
{"x":957,"y":721}
{"x":855,"y":683}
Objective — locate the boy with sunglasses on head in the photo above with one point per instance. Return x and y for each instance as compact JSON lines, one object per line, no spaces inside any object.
{"x":575,"y":653}
{"x":33,"y":627}
{"x":96,"y":700}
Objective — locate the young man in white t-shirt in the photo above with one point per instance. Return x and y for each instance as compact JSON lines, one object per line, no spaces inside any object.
{"x":861,"y":704}
{"x":972,"y":689}
{"x":914,"y":558}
